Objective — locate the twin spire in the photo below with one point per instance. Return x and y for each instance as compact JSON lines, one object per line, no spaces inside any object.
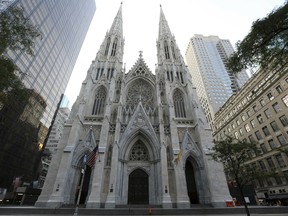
{"x":116,"y":27}
{"x":163,"y":25}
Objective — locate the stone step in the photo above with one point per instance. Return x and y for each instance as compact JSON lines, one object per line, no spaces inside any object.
{"x":16,"y":210}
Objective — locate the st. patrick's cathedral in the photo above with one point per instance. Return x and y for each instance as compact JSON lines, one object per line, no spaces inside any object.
{"x":153,"y":139}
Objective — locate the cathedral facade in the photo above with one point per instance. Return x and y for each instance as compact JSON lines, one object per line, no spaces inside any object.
{"x":152,"y":136}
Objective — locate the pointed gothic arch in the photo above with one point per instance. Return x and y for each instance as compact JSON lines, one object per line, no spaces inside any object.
{"x":107,"y":46}
{"x":179,"y":104}
{"x":139,"y":149}
{"x":114,"y":47}
{"x":99,"y":102}
{"x":139,"y":152}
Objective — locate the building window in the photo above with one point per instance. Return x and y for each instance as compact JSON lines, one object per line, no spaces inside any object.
{"x":276,"y":107}
{"x":278,"y":180}
{"x":233,"y":126}
{"x":279,"y":89}
{"x":99,"y":103}
{"x":266,"y":131}
{"x":268,"y":114}
{"x":166,"y":50}
{"x":262,"y":102}
{"x":280,"y":160}
{"x":114,"y":46}
{"x":238,"y":122}
{"x":248,"y":113}
{"x":179,"y":105}
{"x":254,"y":107}
{"x":247,"y":128}
{"x":285,"y":173}
{"x":107,"y":46}
{"x":261,"y":184}
{"x":282,"y":140}
{"x":270,"y":96}
{"x":284,"y":120}
{"x":253,"y":123}
{"x":271,"y":163}
{"x":236,"y":135}
{"x":243,"y":118}
{"x":251,"y":138}
{"x":258,"y":135}
{"x":173,"y":51}
{"x":274,"y":126}
{"x":139,"y":152}
{"x":262,"y":166}
{"x":259,"y":118}
{"x":263,"y":148}
{"x":269,"y":182}
{"x":271,"y":143}
{"x":241,"y":131}
{"x":285,"y":100}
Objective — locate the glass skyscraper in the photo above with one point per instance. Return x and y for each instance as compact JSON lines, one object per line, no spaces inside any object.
{"x":24,"y":124}
{"x":215,"y":83}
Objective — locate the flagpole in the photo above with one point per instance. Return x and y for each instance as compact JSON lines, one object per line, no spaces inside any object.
{"x":80,"y":189}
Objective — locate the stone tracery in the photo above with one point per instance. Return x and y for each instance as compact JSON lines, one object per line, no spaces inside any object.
{"x":139,"y":152}
{"x":140,"y":90}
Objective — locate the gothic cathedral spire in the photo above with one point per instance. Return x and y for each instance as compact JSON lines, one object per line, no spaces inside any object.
{"x":170,"y":60}
{"x":113,"y":45}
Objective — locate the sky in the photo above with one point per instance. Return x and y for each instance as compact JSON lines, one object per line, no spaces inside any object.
{"x":228,"y":19}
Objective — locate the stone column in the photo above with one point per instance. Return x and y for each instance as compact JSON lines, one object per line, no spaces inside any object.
{"x":166,"y":199}
{"x":111,"y":198}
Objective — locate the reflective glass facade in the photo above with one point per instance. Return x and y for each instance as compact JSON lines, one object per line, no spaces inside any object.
{"x":64,"y":24}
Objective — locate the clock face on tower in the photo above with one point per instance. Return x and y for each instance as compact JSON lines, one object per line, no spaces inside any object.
{"x":140,"y":90}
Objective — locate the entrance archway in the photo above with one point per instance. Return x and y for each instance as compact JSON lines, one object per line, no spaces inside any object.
{"x":138,"y":189}
{"x":191,"y":184}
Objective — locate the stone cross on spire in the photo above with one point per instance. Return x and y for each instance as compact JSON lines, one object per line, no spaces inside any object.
{"x":140,"y":53}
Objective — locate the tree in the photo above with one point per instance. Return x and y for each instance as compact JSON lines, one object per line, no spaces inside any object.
{"x":265,"y":45}
{"x":17,"y":33}
{"x":234,"y":155}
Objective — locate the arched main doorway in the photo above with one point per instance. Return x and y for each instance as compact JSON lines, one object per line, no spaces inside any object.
{"x":138,"y":189}
{"x":191,"y":184}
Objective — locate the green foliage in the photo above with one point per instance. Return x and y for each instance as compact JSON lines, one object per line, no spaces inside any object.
{"x":265,"y":45}
{"x":17,"y":32}
{"x":234,"y":154}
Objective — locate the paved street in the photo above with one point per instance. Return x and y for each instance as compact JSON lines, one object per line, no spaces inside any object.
{"x":159,"y":215}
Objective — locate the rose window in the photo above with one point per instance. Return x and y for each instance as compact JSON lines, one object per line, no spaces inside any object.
{"x":140,"y":90}
{"x":139,"y":152}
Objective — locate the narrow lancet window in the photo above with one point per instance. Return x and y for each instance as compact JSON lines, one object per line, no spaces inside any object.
{"x":113,"y":52}
{"x":166,"y":50}
{"x":179,"y":105}
{"x":173,"y":50}
{"x":107,"y":47}
{"x":99,"y":103}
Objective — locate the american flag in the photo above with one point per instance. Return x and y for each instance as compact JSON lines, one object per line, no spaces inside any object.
{"x":92,"y":157}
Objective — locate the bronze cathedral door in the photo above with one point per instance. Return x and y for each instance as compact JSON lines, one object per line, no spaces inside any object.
{"x":138,"y":189}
